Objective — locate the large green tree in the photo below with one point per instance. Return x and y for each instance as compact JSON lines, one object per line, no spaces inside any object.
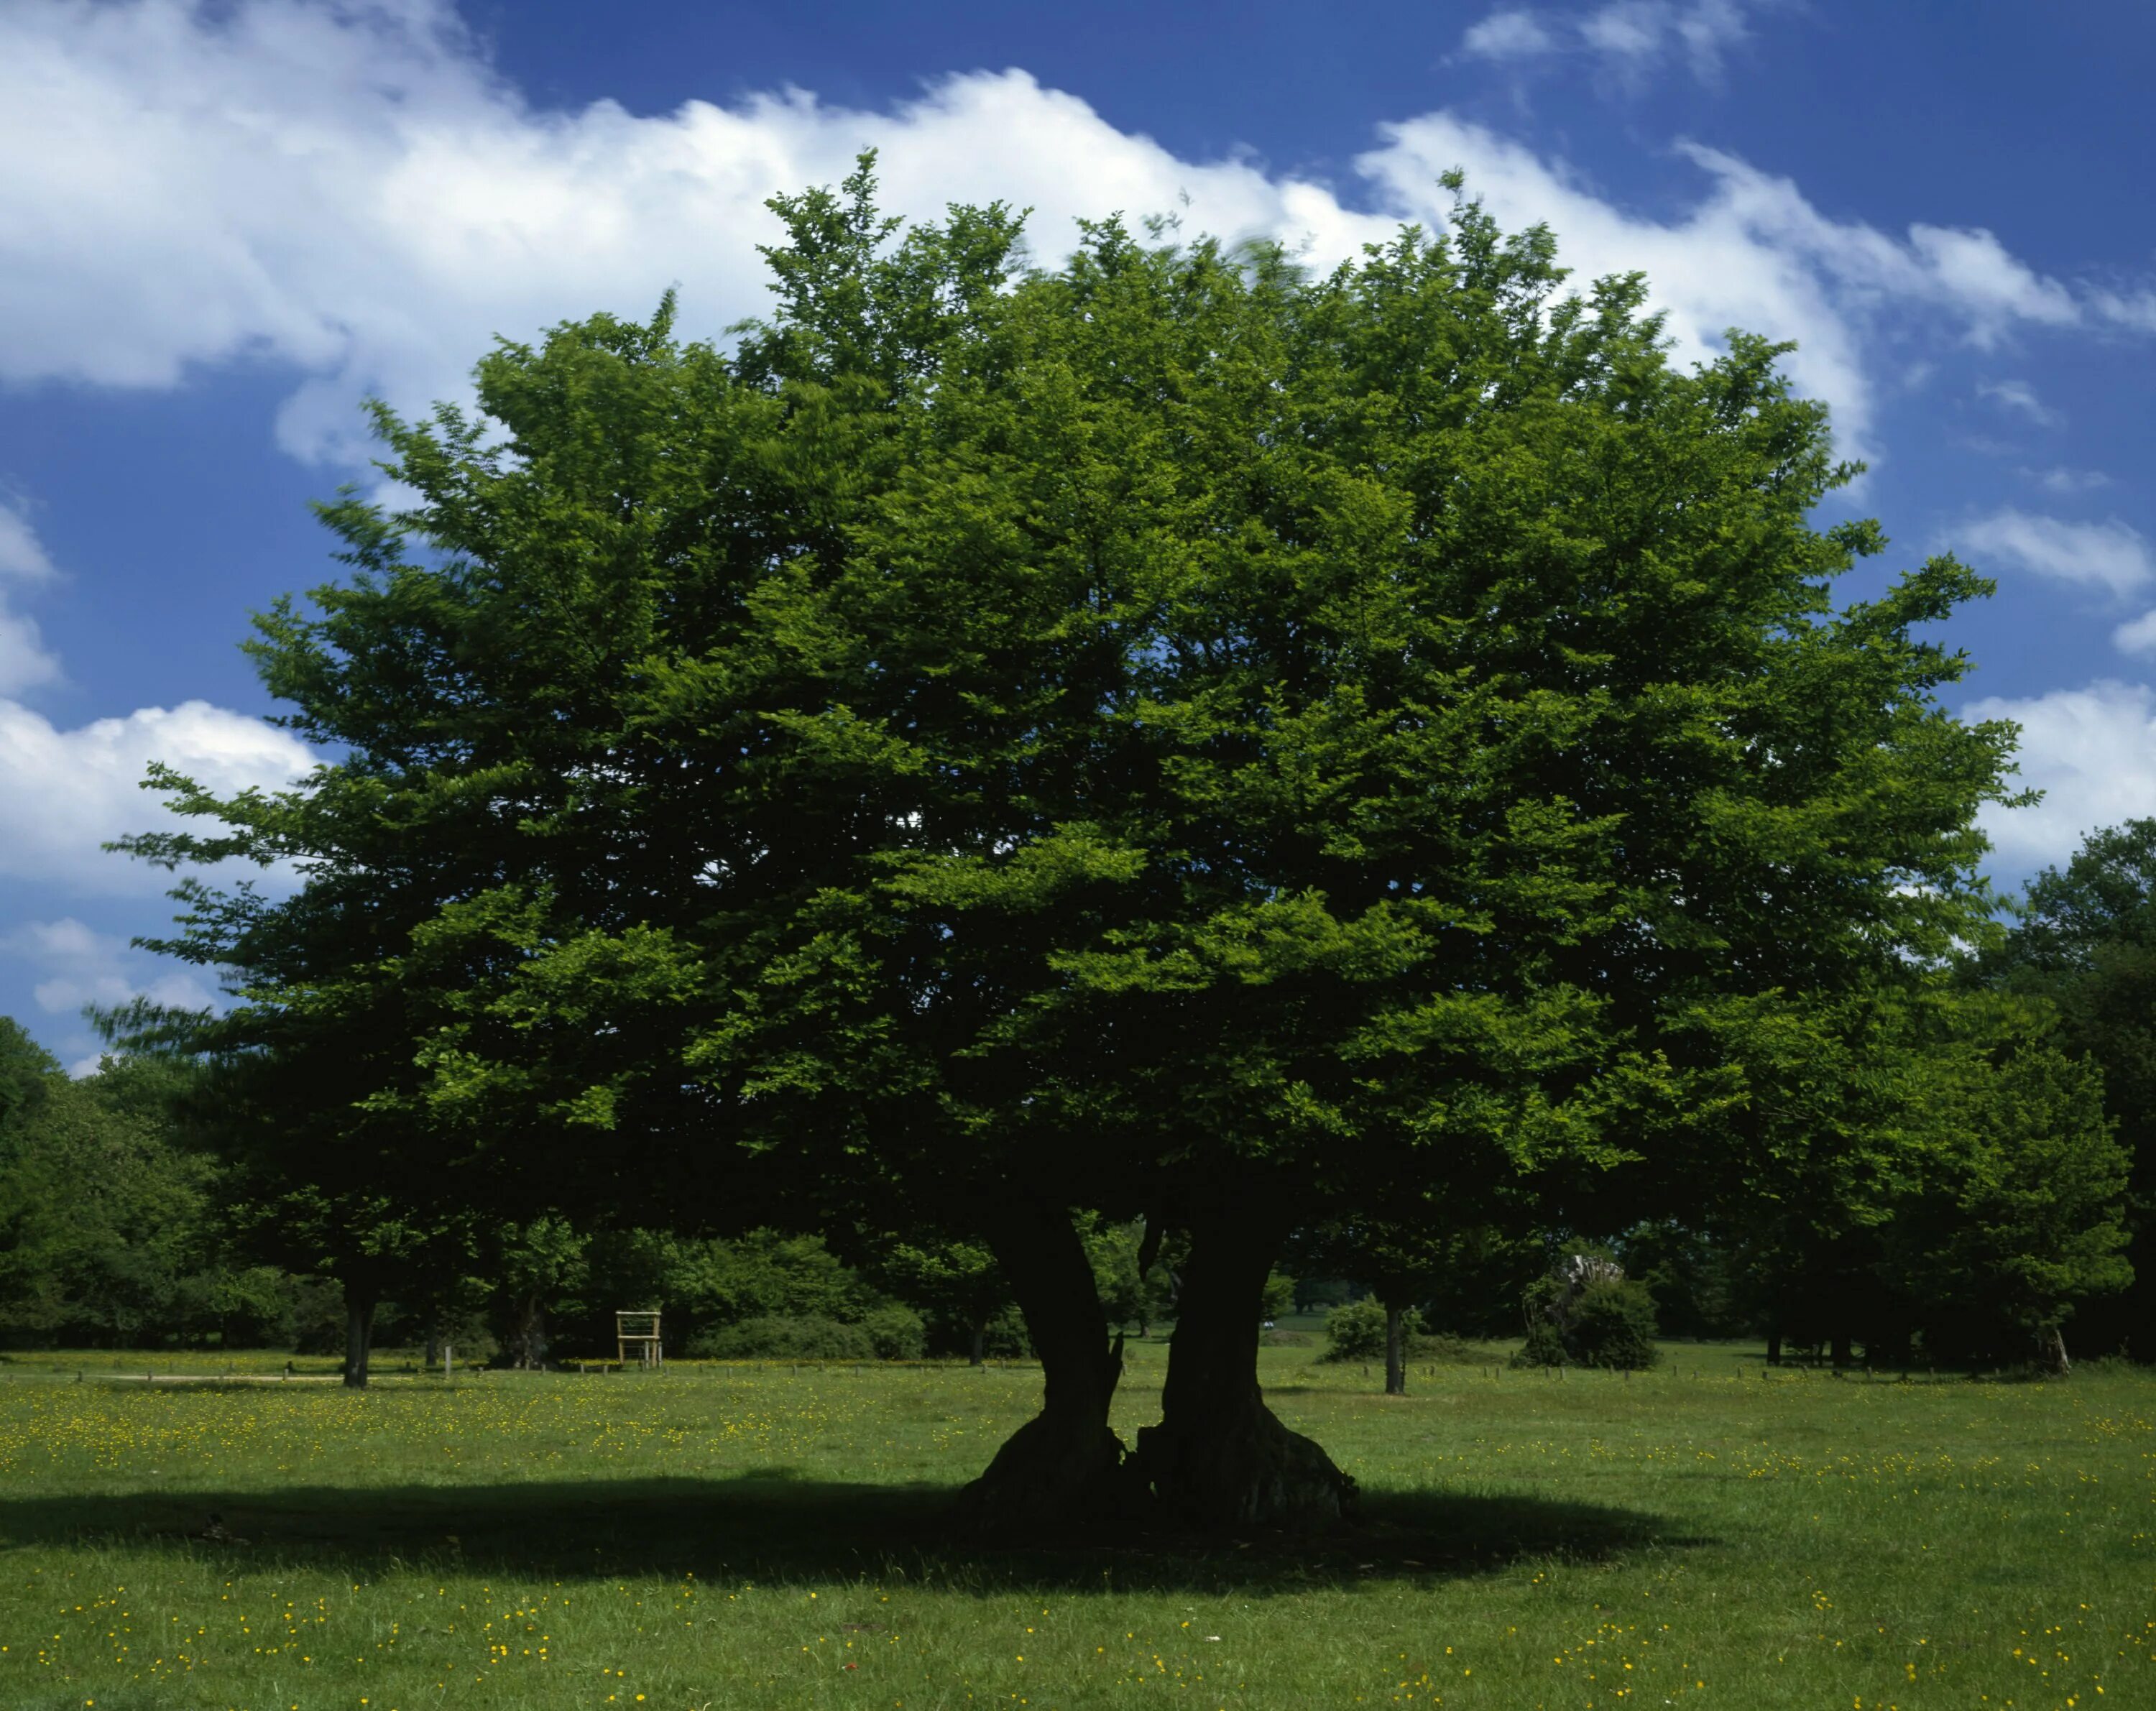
{"x":1171,"y":734}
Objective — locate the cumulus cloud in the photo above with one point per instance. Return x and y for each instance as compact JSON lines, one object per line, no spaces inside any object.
{"x":75,"y":965}
{"x":68,"y":791}
{"x":2111,"y":556}
{"x":350,"y":190}
{"x":24,"y":662}
{"x":2092,"y":752}
{"x":1629,"y":37}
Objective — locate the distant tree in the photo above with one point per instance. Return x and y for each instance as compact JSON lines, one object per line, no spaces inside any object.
{"x":959,"y":1280}
{"x":2017,"y":1215}
{"x":28,"y":1072}
{"x":534,"y":1266}
{"x":108,"y":1230}
{"x":2083,"y":938}
{"x":1423,"y":1269}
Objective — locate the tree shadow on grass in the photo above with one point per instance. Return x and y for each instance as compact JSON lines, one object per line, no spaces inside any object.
{"x":774,"y":1527}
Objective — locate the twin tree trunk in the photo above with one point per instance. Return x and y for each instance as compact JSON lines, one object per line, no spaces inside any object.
{"x":1217,"y":1459}
{"x":1065,"y":1465}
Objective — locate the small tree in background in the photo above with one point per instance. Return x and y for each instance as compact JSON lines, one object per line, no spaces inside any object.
{"x":535,"y":1265}
{"x":959,"y":1281}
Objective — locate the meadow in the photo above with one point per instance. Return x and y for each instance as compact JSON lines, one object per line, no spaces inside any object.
{"x":715,"y":1537}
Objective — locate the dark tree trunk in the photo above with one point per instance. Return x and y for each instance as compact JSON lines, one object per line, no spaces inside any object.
{"x":1774,"y":1348}
{"x":2052,"y":1347}
{"x":358,"y":1336}
{"x":528,"y":1334}
{"x":1840,"y":1354}
{"x":1219,"y":1457}
{"x":977,"y":1355}
{"x":1396,"y":1350}
{"x":1065,"y":1467}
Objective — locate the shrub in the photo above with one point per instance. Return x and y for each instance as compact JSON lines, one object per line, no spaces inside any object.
{"x":1613,"y":1325}
{"x":897,"y":1332}
{"x":784,"y":1337}
{"x":1357,"y":1331}
{"x":1605,"y":1321}
{"x":1544,"y":1347}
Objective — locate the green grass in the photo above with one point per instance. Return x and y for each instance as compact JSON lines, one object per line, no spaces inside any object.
{"x":729,"y":1537}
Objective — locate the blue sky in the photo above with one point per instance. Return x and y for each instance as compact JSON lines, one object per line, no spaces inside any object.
{"x":222,"y":225}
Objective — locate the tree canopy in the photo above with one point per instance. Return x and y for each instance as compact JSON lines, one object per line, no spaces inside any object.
{"x":1174,"y":732}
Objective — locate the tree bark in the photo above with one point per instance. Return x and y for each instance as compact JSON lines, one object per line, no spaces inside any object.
{"x":978,"y":1354}
{"x":1774,"y":1348}
{"x":1219,"y":1458}
{"x":528,"y":1334}
{"x":1065,"y":1467}
{"x":358,"y":1336}
{"x":1396,"y":1367}
{"x":1840,"y":1352}
{"x":2052,"y":1344}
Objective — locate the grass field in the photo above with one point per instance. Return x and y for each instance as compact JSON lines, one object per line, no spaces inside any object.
{"x":727,"y":1537}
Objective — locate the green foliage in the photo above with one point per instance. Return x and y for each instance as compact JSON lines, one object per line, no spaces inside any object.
{"x":1691,"y":1275}
{"x":784,"y":1337}
{"x":2019,"y":1214}
{"x":1356,"y":1331}
{"x":960,"y":1289}
{"x":1588,"y":1315}
{"x":1612,"y":1325}
{"x":532,"y":1265}
{"x":2083,"y":941}
{"x":1005,"y":734}
{"x":896,"y":1332}
{"x":107,"y":1231}
{"x":702,"y":1284}
{"x":28,"y":1072}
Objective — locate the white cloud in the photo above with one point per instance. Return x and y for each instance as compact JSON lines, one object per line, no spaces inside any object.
{"x":1508,"y":35}
{"x":349,"y":190}
{"x":2111,"y":556}
{"x":24,"y":662}
{"x":2091,"y":751}
{"x":2020,"y":397}
{"x":80,"y":966}
{"x":2059,"y":479}
{"x":1972,"y":269}
{"x":67,"y":792}
{"x":1629,"y":37}
{"x":2135,"y":311}
{"x":1753,"y":253}
{"x":2137,"y":635}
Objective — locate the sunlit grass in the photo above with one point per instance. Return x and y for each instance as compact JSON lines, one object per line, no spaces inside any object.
{"x":741,"y":1536}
